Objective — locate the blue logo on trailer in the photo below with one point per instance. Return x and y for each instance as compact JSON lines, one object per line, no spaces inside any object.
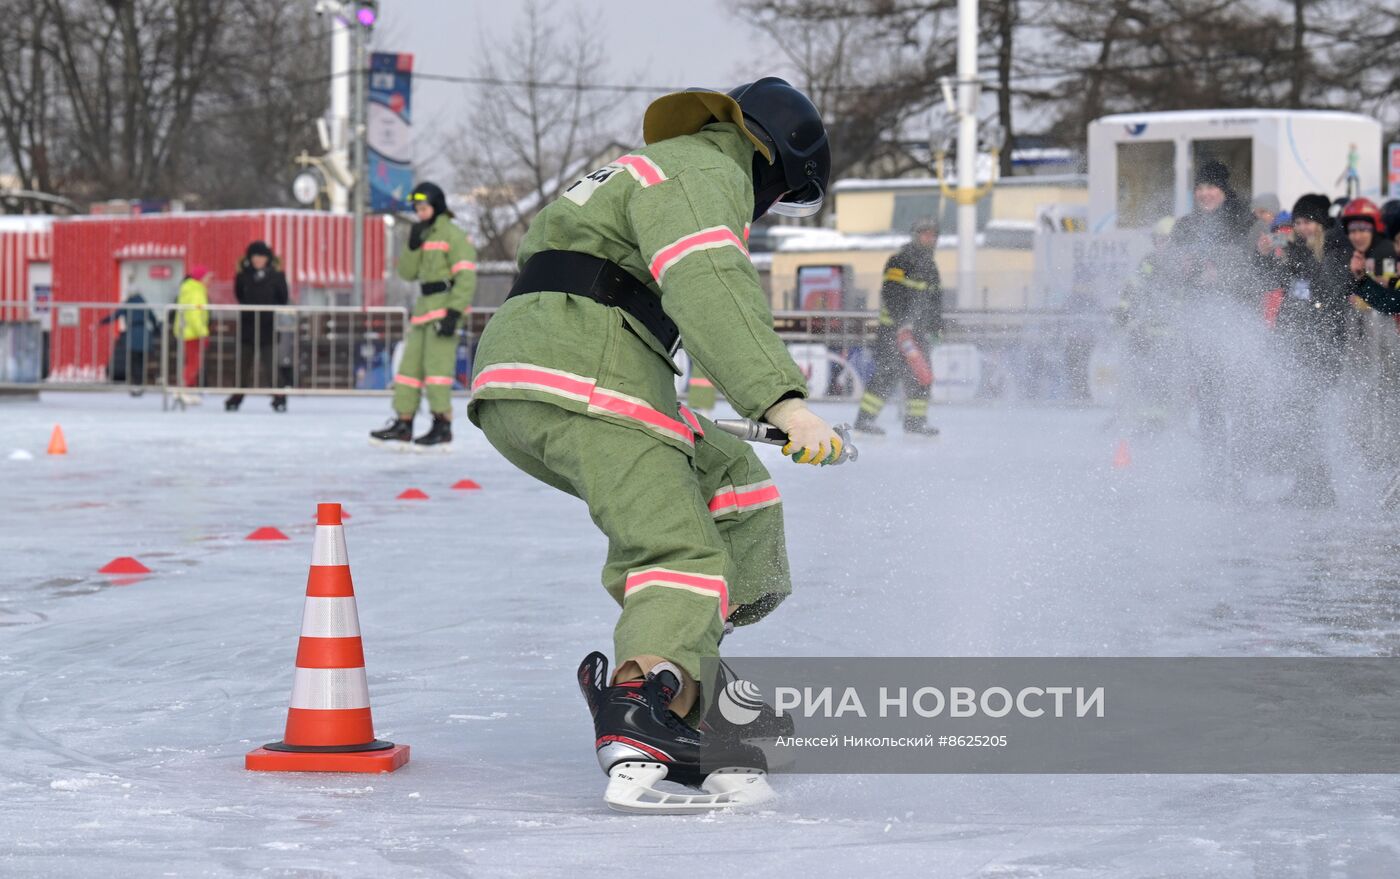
{"x":390,"y":134}
{"x":1135,"y":129}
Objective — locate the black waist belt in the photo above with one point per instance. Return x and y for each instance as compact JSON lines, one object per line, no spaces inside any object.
{"x":434,"y":287}
{"x":602,"y":280}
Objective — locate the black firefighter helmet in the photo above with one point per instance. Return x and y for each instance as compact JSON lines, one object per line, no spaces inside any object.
{"x":792,"y":159}
{"x":433,"y":195}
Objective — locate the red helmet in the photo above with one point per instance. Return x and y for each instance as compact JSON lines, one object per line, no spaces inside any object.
{"x":1363,"y":209}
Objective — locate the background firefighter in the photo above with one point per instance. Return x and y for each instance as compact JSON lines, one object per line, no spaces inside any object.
{"x":911,"y":318}
{"x":443,"y":262}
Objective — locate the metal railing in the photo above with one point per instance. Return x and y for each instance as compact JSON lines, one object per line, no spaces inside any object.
{"x":248,"y":349}
{"x":305,"y":350}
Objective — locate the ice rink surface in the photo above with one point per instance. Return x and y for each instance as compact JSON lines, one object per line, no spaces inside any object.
{"x":125,"y":710}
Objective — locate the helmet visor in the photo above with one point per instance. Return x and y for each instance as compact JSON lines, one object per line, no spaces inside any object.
{"x":803,"y":203}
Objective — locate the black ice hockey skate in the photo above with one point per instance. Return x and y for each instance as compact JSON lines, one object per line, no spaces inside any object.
{"x":920,"y":428}
{"x":639,"y":742}
{"x":767,"y":724}
{"x":440,"y":434}
{"x":398,"y":430}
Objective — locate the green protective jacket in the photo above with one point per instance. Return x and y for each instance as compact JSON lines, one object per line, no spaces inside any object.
{"x":446,"y":255}
{"x":675,"y":215}
{"x":192,"y":319}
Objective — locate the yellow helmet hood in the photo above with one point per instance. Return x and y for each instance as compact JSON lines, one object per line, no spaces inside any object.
{"x":687,"y":112}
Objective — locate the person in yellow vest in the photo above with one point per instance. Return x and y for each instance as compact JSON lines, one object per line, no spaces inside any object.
{"x":191,"y":327}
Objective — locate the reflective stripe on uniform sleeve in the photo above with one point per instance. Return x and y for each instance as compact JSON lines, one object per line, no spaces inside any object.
{"x":437,"y":245}
{"x":435,"y":314}
{"x":705,"y":239}
{"x":642,"y":169}
{"x":896,"y":275}
{"x":465,"y":265}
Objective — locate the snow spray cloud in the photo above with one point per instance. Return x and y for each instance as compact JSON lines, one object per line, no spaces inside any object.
{"x":1076,"y":715}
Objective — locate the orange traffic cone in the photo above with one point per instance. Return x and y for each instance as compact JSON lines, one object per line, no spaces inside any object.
{"x":329,"y":728}
{"x":57,"y":444}
{"x":1122,"y":458}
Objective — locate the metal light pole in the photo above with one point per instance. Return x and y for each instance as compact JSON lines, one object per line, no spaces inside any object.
{"x":338,"y":148}
{"x":361,"y":173}
{"x":969,"y":89}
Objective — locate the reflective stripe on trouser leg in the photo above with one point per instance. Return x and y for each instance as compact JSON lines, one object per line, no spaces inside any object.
{"x":871,"y":404}
{"x":644,"y":495}
{"x":915,"y":399}
{"x":747,"y":509}
{"x":408,"y":383}
{"x":439,"y":364}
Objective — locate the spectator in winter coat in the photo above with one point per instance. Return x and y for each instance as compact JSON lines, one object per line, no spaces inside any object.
{"x":1312,"y":325}
{"x":1211,"y":244}
{"x":1208,"y":261}
{"x":1316,"y":284}
{"x":260,"y":282}
{"x":1361,"y":220}
{"x":137,"y":324}
{"x":1390,"y":219}
{"x":1265,"y":207}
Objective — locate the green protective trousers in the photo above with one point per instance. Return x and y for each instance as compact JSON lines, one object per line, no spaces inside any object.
{"x":429,"y":360}
{"x":689,"y":544}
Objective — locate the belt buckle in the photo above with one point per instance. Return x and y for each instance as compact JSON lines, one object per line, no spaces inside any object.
{"x":675,"y":347}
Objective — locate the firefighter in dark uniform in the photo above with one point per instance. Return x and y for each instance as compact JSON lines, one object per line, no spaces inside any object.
{"x":911,"y":317}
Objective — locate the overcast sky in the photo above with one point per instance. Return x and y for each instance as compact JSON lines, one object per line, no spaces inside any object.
{"x":666,"y":42}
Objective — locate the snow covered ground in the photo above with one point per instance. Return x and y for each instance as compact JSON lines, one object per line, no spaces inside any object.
{"x":125,"y":710}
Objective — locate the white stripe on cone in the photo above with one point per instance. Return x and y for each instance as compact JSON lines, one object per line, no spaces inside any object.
{"x":329,"y":548}
{"x":330,"y":618}
{"x":327,"y":689}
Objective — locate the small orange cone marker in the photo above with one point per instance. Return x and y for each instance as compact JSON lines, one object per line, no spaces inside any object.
{"x":267,"y":533}
{"x":412,"y":494}
{"x":329,"y":728}
{"x":1122,"y":458}
{"x":466,"y":485}
{"x":124,"y":565}
{"x":57,"y":444}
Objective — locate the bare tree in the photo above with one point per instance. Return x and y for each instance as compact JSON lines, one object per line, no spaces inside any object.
{"x":140,"y":98}
{"x":543,"y":116}
{"x":872,"y":66}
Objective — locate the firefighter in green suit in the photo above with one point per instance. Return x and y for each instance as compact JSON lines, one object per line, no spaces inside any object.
{"x":574,"y":380}
{"x":443,"y":262}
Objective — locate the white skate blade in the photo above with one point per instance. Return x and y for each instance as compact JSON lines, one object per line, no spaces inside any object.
{"x":439,"y":449}
{"x":630,"y":789}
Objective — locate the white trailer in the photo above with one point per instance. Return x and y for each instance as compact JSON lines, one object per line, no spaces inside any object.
{"x":1141,"y":165}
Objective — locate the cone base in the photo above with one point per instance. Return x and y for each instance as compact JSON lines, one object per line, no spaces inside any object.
{"x":263,"y":760}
